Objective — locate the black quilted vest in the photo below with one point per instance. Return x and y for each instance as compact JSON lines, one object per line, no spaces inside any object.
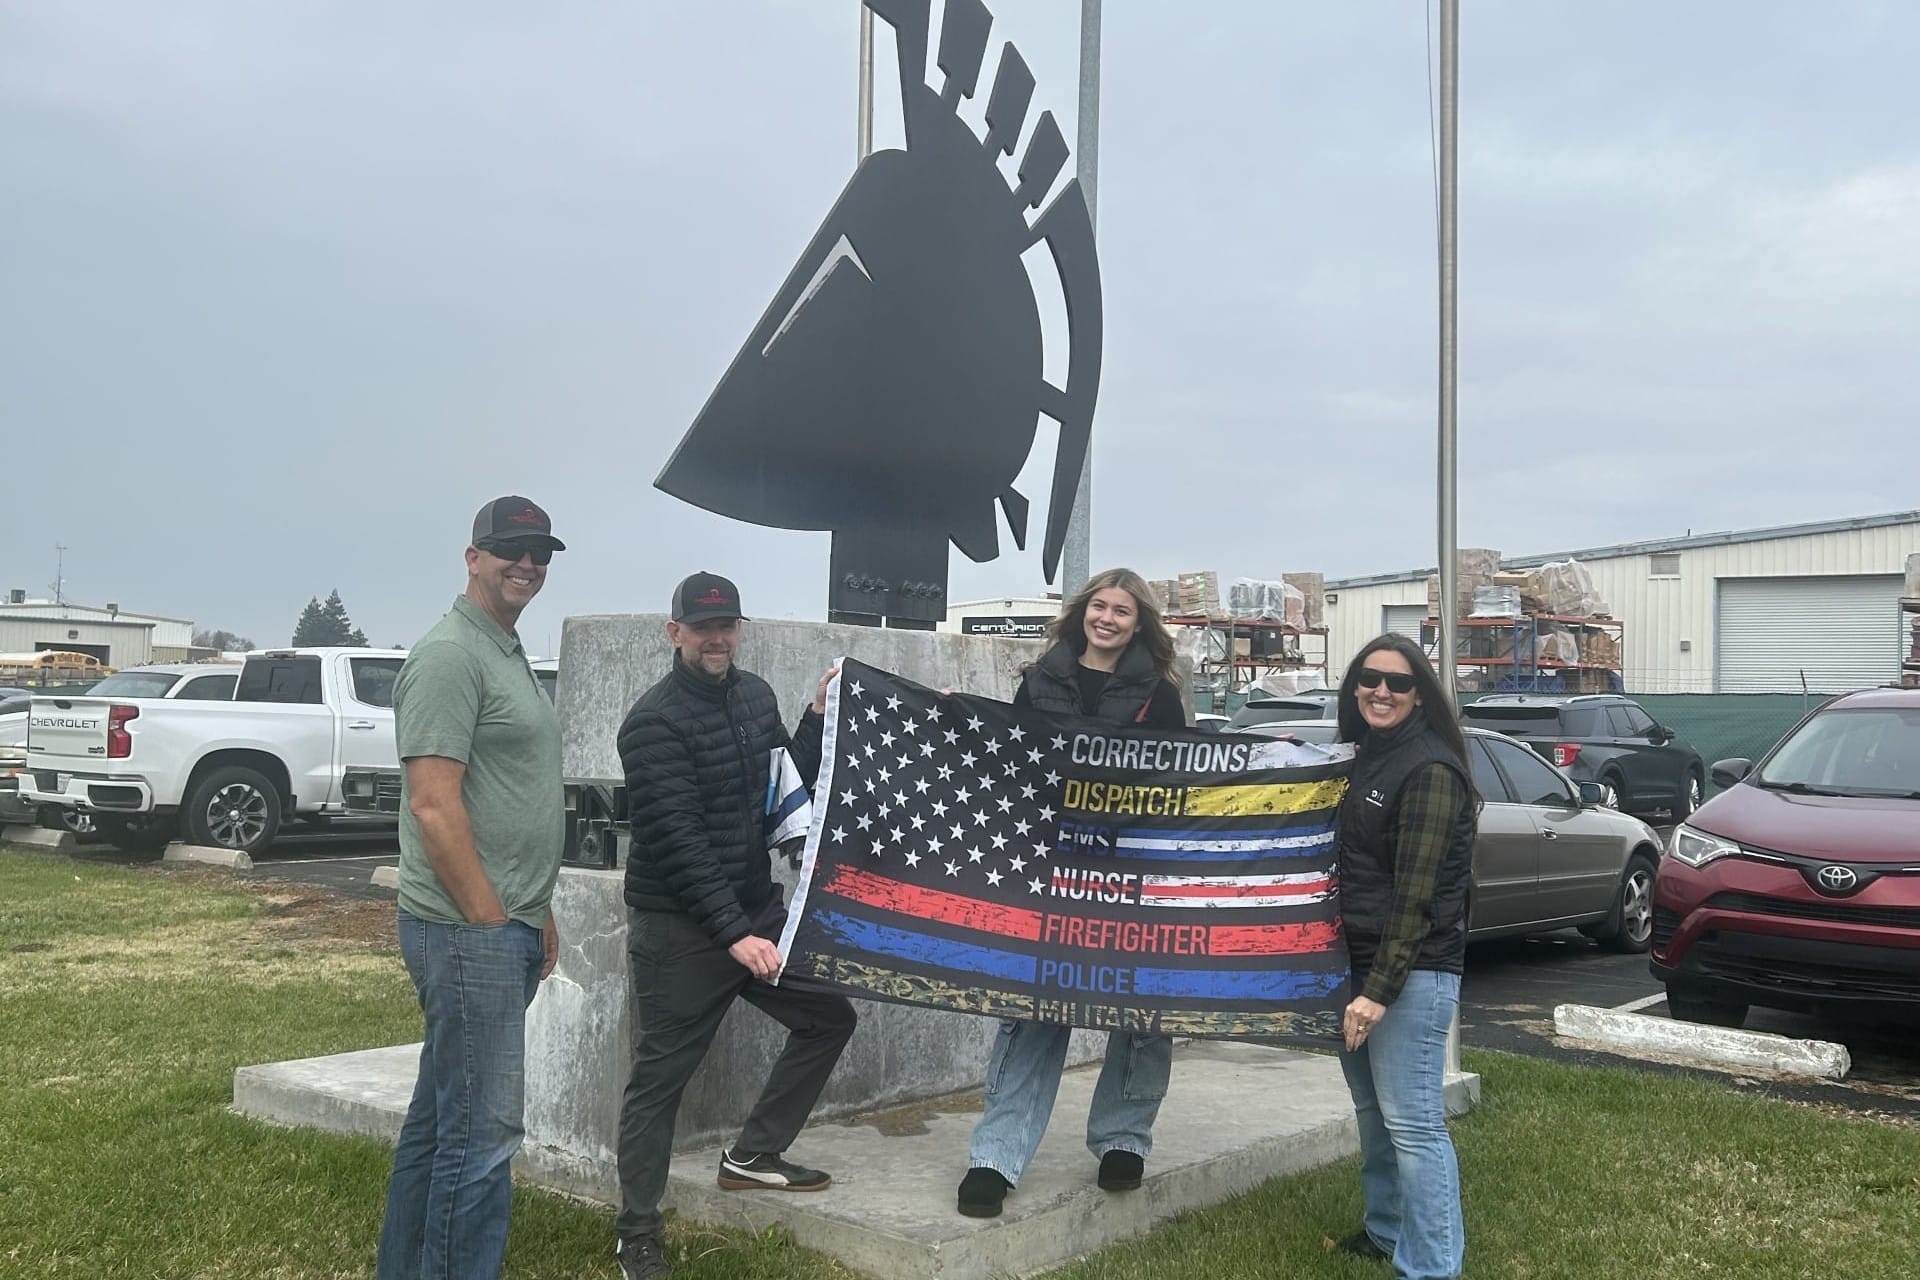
{"x":1384,"y":764}
{"x":1051,"y":686}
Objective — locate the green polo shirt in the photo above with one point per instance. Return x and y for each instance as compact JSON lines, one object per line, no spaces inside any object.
{"x":466,"y":693}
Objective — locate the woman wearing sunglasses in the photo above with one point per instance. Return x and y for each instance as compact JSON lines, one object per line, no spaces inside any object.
{"x":1110,"y":658}
{"x":1406,"y":831}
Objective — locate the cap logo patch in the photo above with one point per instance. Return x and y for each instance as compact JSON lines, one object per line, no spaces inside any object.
{"x":528,"y":516}
{"x":714,"y":596}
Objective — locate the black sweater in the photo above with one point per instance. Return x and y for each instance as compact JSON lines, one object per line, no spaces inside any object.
{"x":695,"y":751}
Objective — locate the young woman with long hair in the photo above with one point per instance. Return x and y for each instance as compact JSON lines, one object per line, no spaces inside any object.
{"x":1109,"y":657}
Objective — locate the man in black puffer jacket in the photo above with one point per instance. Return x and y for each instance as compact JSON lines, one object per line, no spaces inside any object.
{"x":703,"y":913}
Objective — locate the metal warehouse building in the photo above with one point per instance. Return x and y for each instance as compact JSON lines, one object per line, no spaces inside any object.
{"x":1745,"y":612}
{"x":115,"y":637}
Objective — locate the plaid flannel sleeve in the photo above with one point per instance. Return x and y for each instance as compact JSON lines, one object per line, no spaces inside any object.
{"x":1428,"y":806}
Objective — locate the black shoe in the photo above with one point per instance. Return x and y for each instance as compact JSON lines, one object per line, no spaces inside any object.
{"x":982,"y":1191}
{"x":1360,"y":1245}
{"x":766,"y":1171}
{"x":1120,"y":1171}
{"x":642,"y":1259}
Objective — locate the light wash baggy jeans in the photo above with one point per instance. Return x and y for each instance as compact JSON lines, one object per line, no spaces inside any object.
{"x":448,"y":1198}
{"x":1023,"y":1078}
{"x":1408,"y":1174}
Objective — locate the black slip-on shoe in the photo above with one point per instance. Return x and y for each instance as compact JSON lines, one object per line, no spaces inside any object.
{"x":1121,"y":1171}
{"x":981,"y":1193}
{"x":766,"y":1171}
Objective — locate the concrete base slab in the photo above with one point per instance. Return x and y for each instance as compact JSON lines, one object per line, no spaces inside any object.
{"x":1235,"y":1116}
{"x":386,"y":877}
{"x":39,"y":838}
{"x":1725,"y":1047}
{"x":211,"y":855}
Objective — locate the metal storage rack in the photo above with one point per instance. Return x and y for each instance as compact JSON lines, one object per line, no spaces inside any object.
{"x":1910,"y":656}
{"x":1271,"y":645}
{"x":1521,"y":668}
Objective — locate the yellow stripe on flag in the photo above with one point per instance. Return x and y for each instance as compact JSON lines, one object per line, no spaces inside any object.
{"x":1252,"y":800}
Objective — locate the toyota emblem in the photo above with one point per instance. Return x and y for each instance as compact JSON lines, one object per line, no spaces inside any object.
{"x":1837,"y":879}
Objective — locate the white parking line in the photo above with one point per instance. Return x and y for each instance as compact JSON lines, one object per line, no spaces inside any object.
{"x":1644,"y":1002}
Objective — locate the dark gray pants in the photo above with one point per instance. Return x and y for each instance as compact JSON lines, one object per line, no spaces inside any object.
{"x":681,"y":984}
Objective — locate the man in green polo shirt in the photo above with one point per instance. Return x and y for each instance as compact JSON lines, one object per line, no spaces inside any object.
{"x":480,"y":840}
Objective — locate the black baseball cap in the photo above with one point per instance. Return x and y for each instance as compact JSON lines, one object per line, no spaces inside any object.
{"x":514,"y":519}
{"x":703,"y":596}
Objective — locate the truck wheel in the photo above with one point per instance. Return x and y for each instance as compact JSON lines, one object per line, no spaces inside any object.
{"x":146,"y":834}
{"x":61,"y":818}
{"x":233,"y":808}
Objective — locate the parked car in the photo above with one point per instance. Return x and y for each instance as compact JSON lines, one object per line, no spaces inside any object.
{"x":1548,"y":855}
{"x":1272,"y":708}
{"x":1641,"y":765}
{"x":1207,"y":722}
{"x":301,"y":727}
{"x":1798,"y":885}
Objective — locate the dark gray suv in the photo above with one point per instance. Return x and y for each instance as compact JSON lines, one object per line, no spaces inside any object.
{"x":1641,"y":765}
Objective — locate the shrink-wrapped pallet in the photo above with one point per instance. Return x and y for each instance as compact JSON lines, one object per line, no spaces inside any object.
{"x":1913,"y":576}
{"x":1199,"y":595}
{"x":1496,"y":602}
{"x":1565,"y":588}
{"x":1476,"y":567}
{"x":1558,"y":645}
{"x":1313,"y":592}
{"x":1266,"y":598}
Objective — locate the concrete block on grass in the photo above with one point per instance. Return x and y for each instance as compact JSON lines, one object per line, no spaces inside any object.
{"x":386,"y":877}
{"x":1722,"y":1047}
{"x":39,"y":838}
{"x":210,"y":855}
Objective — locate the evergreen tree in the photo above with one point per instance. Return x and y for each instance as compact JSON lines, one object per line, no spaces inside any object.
{"x":327,"y":624}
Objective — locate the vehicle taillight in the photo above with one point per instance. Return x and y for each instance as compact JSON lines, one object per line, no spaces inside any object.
{"x":1565,"y":753}
{"x":119,"y":741}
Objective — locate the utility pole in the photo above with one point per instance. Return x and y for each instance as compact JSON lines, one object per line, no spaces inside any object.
{"x":59,"y":573}
{"x":863,"y":138}
{"x":1075,"y":563}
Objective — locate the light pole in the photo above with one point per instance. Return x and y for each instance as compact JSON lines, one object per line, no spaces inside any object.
{"x":863,"y":137}
{"x":1448,"y":504}
{"x":1075,"y":566}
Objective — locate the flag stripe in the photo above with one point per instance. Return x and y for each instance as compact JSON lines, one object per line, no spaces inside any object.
{"x":923,"y":903}
{"x":1198,"y":845}
{"x":1113,"y":933}
{"x":1248,"y":800}
{"x":1052,"y":975}
{"x":923,"y":948}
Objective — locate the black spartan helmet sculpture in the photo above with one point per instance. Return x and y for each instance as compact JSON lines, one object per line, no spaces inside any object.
{"x":892,"y":390}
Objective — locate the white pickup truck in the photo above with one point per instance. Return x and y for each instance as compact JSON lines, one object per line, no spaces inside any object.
{"x":303,"y":726}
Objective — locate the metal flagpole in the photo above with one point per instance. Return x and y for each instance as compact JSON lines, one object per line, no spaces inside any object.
{"x":1449,"y":512}
{"x":1448,"y":505}
{"x":863,"y":140}
{"x":1075,"y":566}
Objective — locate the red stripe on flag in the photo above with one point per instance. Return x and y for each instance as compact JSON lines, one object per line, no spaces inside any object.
{"x":1270,"y":939}
{"x":933,"y":904}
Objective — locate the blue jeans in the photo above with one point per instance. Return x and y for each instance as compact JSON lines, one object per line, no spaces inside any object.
{"x":448,"y":1198}
{"x":1408,"y":1174}
{"x":1023,"y":1078}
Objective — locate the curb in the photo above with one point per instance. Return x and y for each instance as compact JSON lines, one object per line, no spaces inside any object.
{"x":1707,"y":1046}
{"x":39,"y":838}
{"x":232,"y":859}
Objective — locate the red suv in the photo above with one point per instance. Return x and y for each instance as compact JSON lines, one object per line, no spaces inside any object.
{"x":1798,"y":885}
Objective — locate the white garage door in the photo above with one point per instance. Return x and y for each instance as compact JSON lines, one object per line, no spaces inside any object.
{"x":1844,"y":633}
{"x":1403,"y":618}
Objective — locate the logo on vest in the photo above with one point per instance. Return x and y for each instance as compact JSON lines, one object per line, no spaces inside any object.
{"x":1377,"y":798}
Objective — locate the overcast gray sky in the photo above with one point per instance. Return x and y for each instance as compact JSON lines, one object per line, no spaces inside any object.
{"x":287,"y":290}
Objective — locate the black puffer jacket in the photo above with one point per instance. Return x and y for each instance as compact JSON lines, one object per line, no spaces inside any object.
{"x":695,"y":752}
{"x":1133,"y":694}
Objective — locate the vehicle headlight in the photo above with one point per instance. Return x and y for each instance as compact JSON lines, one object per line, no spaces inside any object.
{"x":1696,"y":848}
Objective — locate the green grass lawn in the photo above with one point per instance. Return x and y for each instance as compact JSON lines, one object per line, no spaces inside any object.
{"x":127,"y":998}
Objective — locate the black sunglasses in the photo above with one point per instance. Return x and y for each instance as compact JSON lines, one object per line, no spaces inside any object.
{"x":511,"y":552}
{"x":1396,"y":681}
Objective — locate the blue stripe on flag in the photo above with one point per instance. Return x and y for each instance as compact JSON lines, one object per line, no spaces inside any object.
{"x":1224,"y":846}
{"x":921,"y":948}
{"x":1235,"y":984}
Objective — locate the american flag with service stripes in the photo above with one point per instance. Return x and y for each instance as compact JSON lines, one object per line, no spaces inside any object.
{"x":964,"y":855}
